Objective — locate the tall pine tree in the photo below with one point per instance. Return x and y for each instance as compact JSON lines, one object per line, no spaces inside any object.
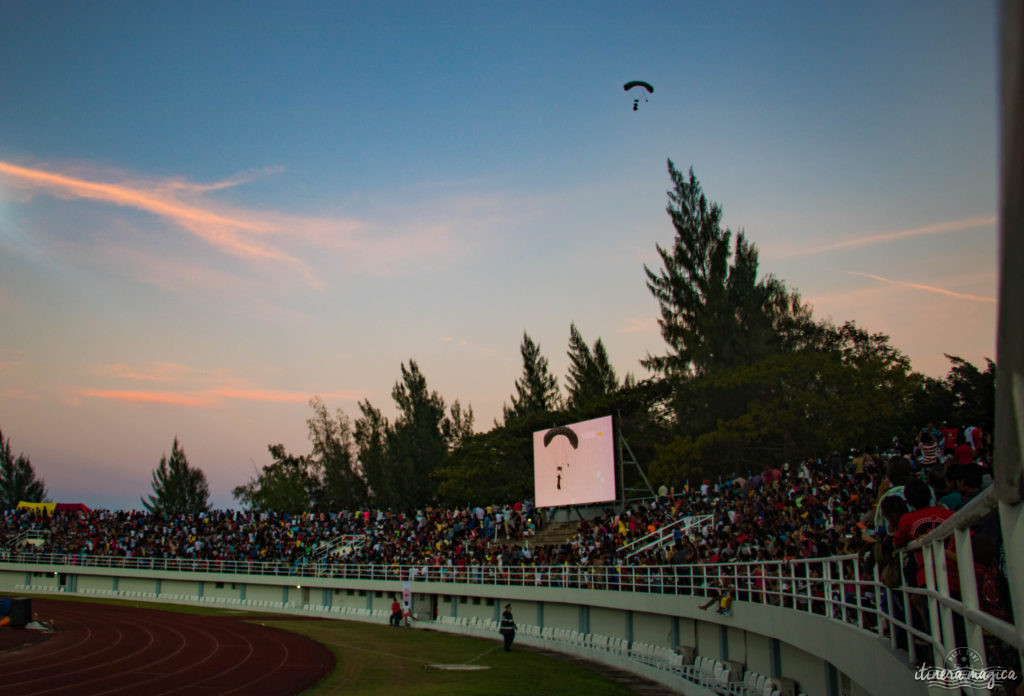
{"x":334,"y":460}
{"x":18,"y":481}
{"x":417,"y":445}
{"x":178,"y":488}
{"x":537,"y":389}
{"x":715,"y":313}
{"x":591,"y":375}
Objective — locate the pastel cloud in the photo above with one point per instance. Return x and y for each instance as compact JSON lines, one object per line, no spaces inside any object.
{"x":410,"y":241}
{"x":927,"y":288}
{"x":641,"y":325}
{"x":225,"y":231}
{"x":211,"y":397}
{"x":158,"y":372}
{"x":466,"y":344}
{"x":963,"y":225}
{"x":149,"y":397}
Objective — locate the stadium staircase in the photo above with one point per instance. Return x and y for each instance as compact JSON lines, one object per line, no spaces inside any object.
{"x":552,"y":533}
{"x":664,"y":536}
{"x":33,"y":537}
{"x":342,"y":543}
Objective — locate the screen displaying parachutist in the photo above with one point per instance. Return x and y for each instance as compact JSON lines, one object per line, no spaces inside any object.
{"x":574,"y":464}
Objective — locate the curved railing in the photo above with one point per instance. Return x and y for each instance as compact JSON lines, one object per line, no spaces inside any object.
{"x":832,"y":587}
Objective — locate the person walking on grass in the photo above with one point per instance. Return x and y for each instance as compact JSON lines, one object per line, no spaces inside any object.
{"x":508,"y":627}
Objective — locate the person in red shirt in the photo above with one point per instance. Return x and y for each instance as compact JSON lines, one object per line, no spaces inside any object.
{"x":919,"y":521}
{"x":396,"y":613}
{"x":949,"y":437}
{"x":964,"y":453}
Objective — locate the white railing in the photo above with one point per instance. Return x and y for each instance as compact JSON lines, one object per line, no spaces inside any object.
{"x":939,"y":620}
{"x":661,"y":536}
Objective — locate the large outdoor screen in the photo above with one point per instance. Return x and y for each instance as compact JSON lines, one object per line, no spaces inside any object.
{"x":574,"y":464}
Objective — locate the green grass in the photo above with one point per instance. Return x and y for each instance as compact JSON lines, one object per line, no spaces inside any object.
{"x":375,"y":659}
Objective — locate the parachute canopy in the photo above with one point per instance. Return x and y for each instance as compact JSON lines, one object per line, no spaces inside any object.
{"x":637,"y":83}
{"x":567,"y":432}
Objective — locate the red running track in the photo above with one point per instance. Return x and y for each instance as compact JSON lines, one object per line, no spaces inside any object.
{"x":112,"y":649}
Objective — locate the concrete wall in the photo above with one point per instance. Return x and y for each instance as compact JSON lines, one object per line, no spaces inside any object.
{"x":652,"y":628}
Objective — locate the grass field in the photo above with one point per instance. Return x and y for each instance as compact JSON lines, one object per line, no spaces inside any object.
{"x":379,"y":659}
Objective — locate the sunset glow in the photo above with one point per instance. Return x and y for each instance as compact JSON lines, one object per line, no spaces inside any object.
{"x":206,"y":224}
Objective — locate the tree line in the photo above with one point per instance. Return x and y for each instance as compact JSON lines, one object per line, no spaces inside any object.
{"x":749,"y":377}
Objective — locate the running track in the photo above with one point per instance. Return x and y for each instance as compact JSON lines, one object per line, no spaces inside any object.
{"x":111,"y":649}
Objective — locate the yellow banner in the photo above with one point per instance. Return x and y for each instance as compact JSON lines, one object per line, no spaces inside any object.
{"x":48,"y":508}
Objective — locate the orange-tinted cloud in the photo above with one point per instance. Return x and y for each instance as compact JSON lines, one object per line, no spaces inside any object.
{"x":149,"y":397}
{"x":641,"y":325}
{"x":159,"y":372}
{"x":380,"y":248}
{"x":229,"y":231}
{"x":928,"y":288}
{"x":211,"y":397}
{"x":274,"y":395}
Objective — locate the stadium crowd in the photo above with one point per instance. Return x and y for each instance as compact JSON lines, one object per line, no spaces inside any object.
{"x":812,"y":509}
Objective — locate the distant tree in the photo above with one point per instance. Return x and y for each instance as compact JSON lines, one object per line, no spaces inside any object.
{"x":178,"y":488}
{"x":417,"y":444}
{"x":973,"y":393}
{"x":591,"y":376}
{"x":17,"y":479}
{"x":371,"y":435}
{"x":286,"y":485}
{"x":537,"y":388}
{"x":459,"y":425}
{"x":496,"y":466}
{"x":333,"y":460}
{"x":799,"y":404}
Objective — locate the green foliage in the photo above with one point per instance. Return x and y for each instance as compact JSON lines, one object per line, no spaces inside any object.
{"x":333,"y":461}
{"x":537,"y":389}
{"x":591,"y":375}
{"x":286,"y":485}
{"x":793,"y":405}
{"x":371,"y":433}
{"x":18,"y":481}
{"x":399,"y":460}
{"x":496,"y":466}
{"x":178,"y":488}
{"x":458,"y":427}
{"x":416,"y":445}
{"x":973,"y":393}
{"x":715,"y":313}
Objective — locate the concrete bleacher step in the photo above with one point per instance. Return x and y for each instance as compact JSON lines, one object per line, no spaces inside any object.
{"x":552,"y":533}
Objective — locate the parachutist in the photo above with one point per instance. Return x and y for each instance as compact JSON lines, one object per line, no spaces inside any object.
{"x":637,"y":83}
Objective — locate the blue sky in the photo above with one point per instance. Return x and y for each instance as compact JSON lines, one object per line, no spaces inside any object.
{"x":210,"y":213}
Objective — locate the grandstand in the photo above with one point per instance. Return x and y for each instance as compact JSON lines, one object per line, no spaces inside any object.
{"x":807,"y":615}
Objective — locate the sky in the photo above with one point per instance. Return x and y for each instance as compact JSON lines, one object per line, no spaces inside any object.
{"x":211,"y":212}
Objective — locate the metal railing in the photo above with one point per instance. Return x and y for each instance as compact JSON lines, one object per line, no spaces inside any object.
{"x":340,"y":542}
{"x":661,"y":536}
{"x":939,"y":617}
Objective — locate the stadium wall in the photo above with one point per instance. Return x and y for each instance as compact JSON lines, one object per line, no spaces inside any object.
{"x":823,"y":656}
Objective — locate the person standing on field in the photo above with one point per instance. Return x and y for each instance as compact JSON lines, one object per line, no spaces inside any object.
{"x":508,"y":627}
